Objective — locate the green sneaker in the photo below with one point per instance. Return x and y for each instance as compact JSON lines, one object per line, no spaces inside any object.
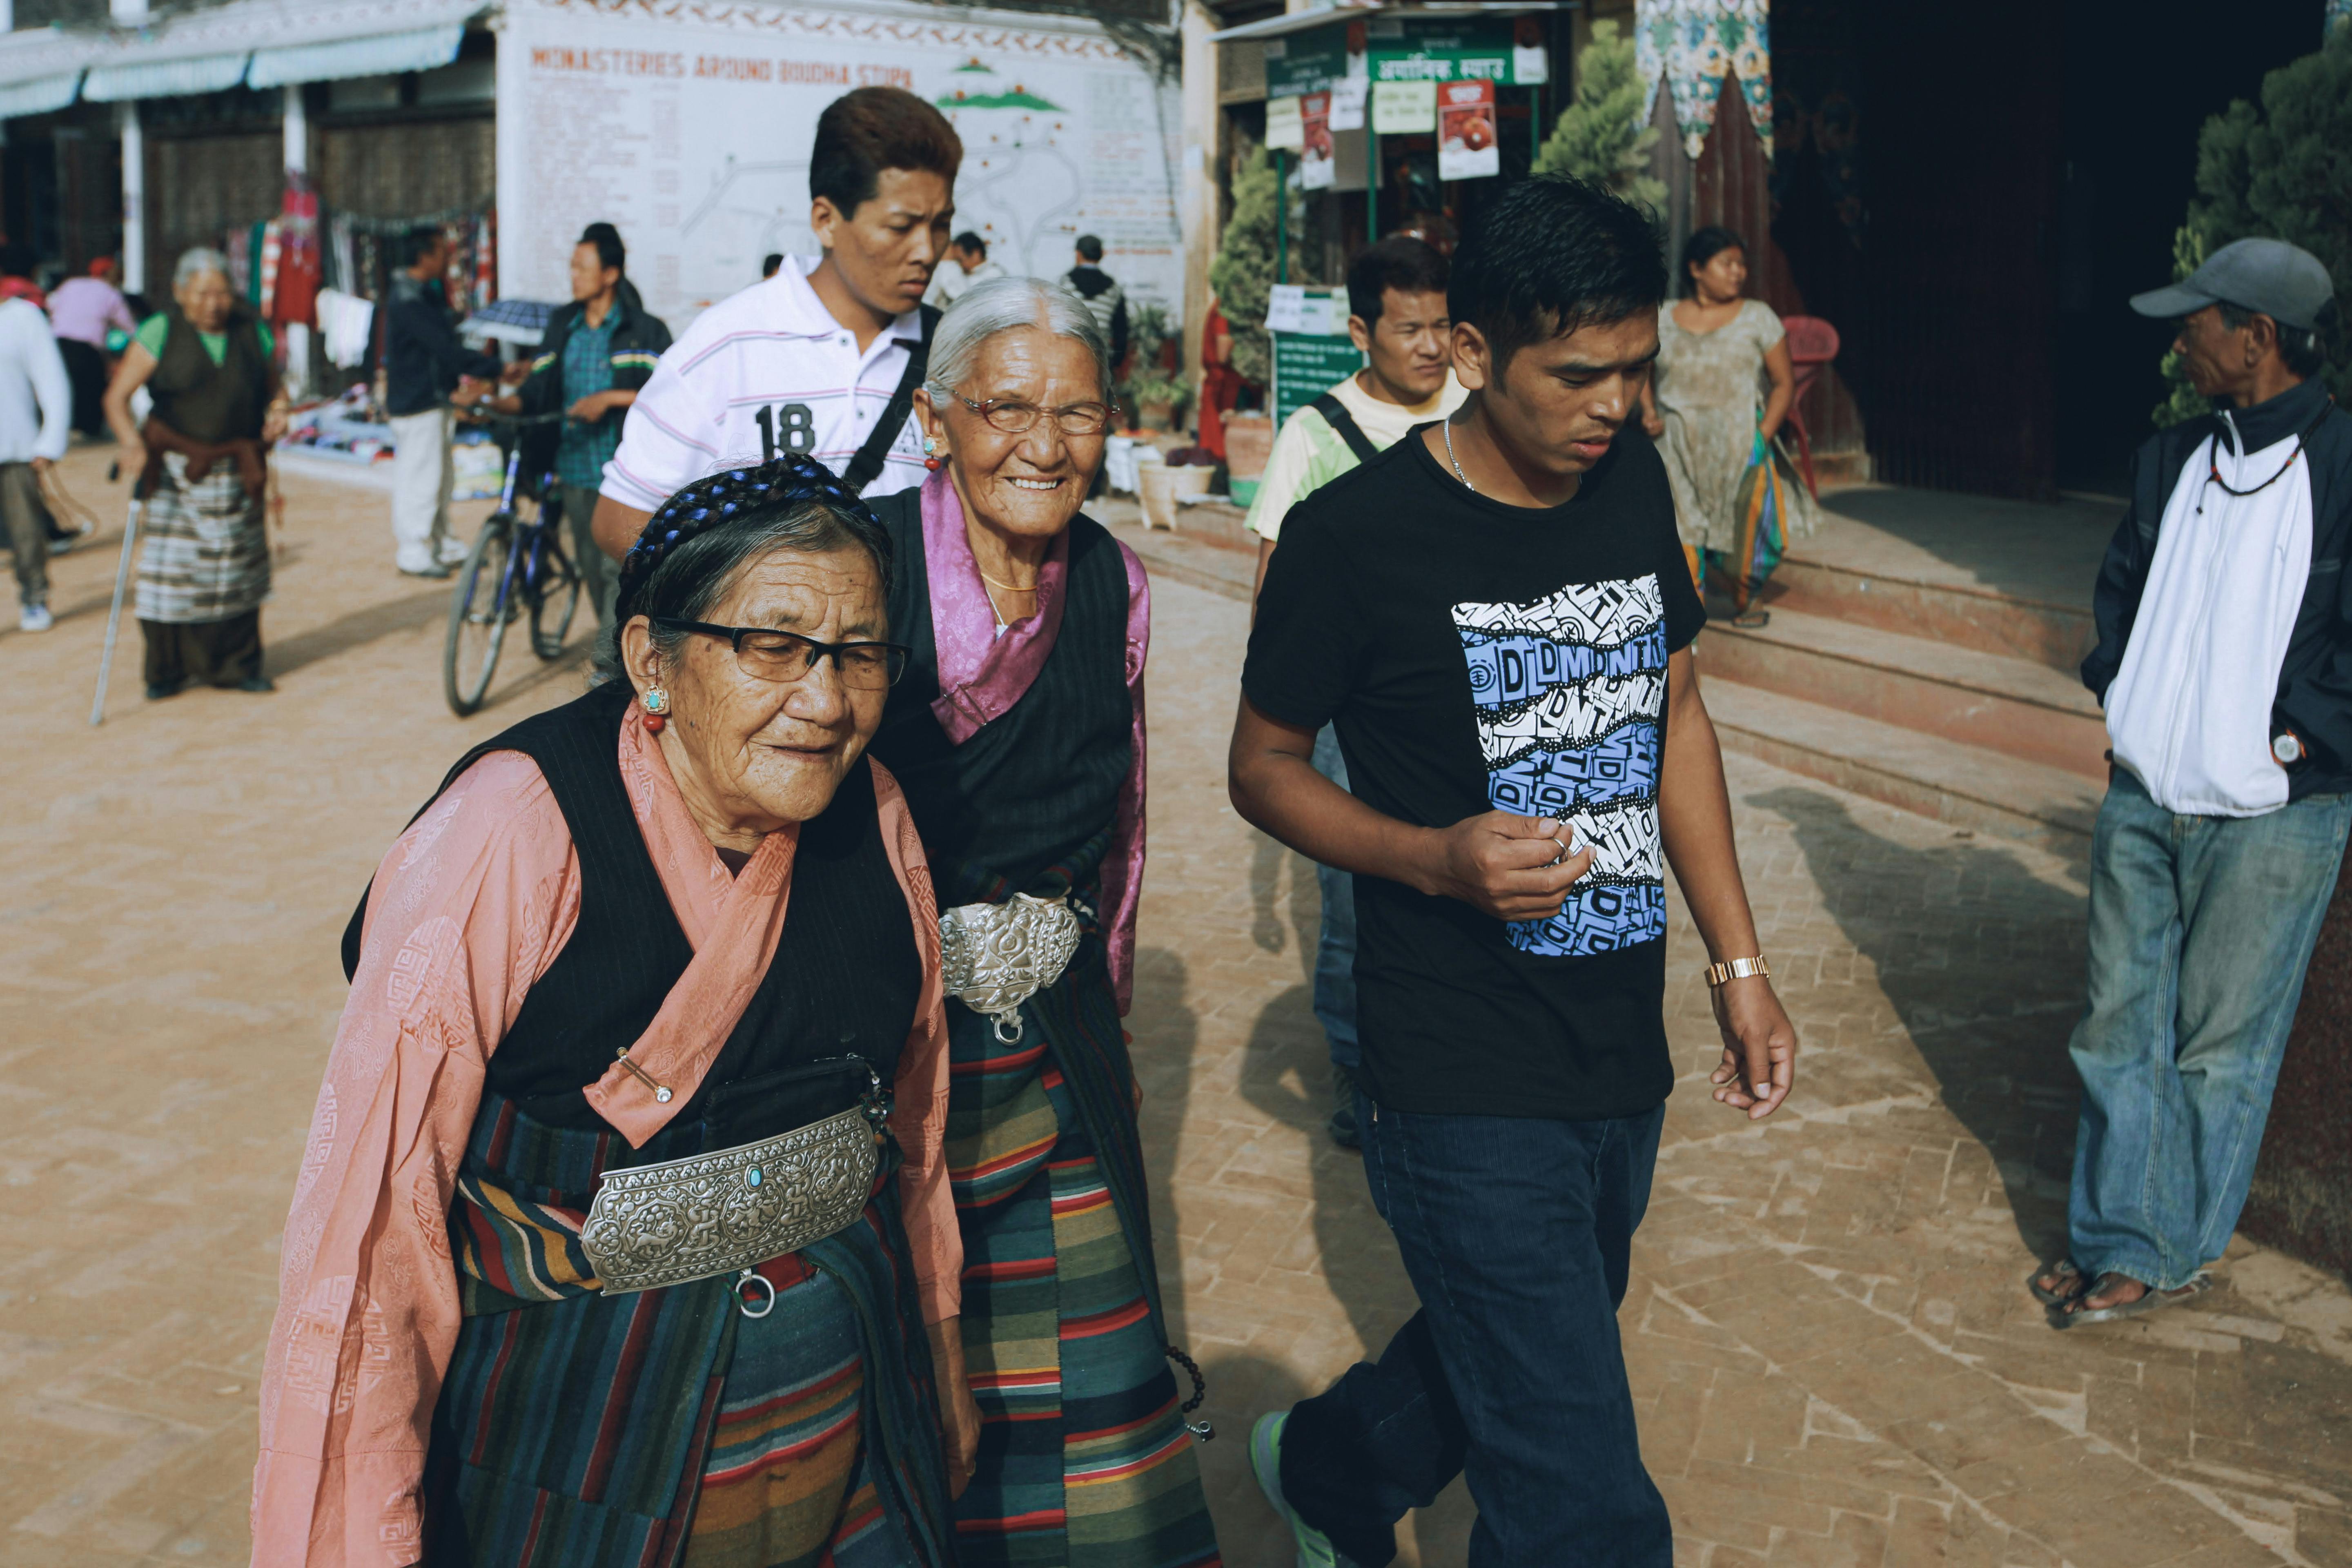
{"x":1315,"y":1550}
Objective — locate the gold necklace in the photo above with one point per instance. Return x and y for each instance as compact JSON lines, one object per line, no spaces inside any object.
{"x":1008,"y":587}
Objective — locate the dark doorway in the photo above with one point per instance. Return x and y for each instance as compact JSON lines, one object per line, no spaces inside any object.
{"x":2140,"y":80}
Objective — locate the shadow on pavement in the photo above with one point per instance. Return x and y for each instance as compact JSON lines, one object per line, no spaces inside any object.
{"x":1269,"y":861}
{"x":538,"y":672}
{"x":1163,"y":1065}
{"x":1983,"y":963}
{"x":404,"y":613}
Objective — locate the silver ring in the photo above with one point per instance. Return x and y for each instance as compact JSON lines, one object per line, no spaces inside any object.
{"x":753,"y":1277}
{"x":1560,"y":859}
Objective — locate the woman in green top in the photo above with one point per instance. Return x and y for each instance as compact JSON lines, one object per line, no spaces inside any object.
{"x":203,"y":567}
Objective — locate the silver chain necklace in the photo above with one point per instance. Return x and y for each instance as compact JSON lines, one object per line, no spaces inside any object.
{"x":1446,"y":426}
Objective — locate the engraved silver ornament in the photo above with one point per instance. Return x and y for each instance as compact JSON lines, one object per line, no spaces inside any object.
{"x":729,"y":1211}
{"x":996,"y":956}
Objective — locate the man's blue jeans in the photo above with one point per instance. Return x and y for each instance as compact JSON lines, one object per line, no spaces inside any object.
{"x":2200,"y":929}
{"x":1334,"y":954}
{"x":1518,"y":1233}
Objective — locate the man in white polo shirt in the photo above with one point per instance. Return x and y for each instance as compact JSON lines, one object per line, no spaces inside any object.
{"x":823,"y":357}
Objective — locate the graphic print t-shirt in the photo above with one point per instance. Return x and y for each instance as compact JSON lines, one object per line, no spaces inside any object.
{"x":1479,"y":656}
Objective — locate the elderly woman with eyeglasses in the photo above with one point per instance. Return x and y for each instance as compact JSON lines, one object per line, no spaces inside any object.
{"x":622,"y":1234}
{"x":1017,"y":734}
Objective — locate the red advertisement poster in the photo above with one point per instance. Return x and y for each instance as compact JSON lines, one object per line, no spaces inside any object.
{"x":1317,"y":169}
{"x":1466,"y":141}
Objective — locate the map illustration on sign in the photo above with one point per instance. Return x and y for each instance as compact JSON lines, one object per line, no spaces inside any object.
{"x":761,"y":207}
{"x":690,"y":124}
{"x":1020,"y":189}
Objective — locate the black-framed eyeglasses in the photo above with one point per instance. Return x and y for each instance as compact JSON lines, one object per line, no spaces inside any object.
{"x":1020,"y":418}
{"x":786,"y":657}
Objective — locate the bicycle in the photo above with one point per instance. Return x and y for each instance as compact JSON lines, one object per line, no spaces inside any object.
{"x":517,"y":565}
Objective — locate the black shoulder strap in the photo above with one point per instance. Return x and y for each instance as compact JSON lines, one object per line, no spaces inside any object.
{"x":1335,"y":414}
{"x":868,"y":462}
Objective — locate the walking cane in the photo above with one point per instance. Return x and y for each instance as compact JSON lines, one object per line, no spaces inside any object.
{"x":114,"y":614}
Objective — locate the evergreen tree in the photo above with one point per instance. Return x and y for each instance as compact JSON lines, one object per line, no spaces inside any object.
{"x":2282,"y":172}
{"x":1242,"y":272}
{"x":1600,"y":137}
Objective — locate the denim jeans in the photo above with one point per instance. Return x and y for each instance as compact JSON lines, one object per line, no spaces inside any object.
{"x":1517,"y":1232}
{"x":600,"y":575}
{"x":2200,"y":929}
{"x":1334,"y":954}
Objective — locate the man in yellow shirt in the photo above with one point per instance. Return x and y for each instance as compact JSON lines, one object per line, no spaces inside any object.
{"x":1397,"y":316}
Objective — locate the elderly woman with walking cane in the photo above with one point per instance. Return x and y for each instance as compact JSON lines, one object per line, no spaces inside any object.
{"x":204,"y":568}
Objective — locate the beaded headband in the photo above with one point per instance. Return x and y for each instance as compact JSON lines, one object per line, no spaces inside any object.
{"x":721,"y":499}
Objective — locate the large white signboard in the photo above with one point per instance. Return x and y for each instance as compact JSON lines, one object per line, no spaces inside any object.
{"x":688,"y":122}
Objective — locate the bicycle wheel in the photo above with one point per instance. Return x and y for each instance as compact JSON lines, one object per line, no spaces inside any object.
{"x":556,"y":599}
{"x":479,"y":608}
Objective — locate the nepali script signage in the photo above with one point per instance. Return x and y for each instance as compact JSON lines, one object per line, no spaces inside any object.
{"x":1312,"y":350}
{"x":1405,"y":48}
{"x":687,"y":125}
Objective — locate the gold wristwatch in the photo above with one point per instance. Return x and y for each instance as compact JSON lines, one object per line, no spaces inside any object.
{"x":1738,"y":969}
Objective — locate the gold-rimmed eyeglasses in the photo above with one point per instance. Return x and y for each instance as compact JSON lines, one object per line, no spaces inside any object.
{"x":1016,"y":418}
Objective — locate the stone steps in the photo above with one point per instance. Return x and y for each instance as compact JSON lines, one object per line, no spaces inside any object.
{"x":1968,"y":786}
{"x":2012,"y":628}
{"x":2016,"y":707}
{"x":1891,"y":668}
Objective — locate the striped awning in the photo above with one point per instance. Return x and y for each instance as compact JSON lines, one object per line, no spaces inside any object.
{"x":163,"y":78}
{"x":385,"y":54}
{"x":208,"y":48}
{"x":39,"y":96}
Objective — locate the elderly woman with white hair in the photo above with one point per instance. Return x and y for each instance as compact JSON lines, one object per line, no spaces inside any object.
{"x":1017,"y":734}
{"x":203,"y":569}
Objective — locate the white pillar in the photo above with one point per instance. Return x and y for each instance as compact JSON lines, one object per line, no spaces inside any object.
{"x":298,"y":162}
{"x":1197,"y":195}
{"x":134,"y":198}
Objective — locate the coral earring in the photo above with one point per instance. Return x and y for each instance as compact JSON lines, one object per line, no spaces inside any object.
{"x":656,"y":722}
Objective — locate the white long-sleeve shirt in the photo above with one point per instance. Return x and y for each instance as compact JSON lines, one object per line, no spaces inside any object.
{"x":2190,"y":711}
{"x":35,"y":397}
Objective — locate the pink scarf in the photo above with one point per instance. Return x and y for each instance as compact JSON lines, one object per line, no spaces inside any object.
{"x":981,"y":674}
{"x":732,"y":923}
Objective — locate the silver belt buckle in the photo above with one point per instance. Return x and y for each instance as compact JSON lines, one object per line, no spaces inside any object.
{"x":729,"y":1210}
{"x":996,"y":956}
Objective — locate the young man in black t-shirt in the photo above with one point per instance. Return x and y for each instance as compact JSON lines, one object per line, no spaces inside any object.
{"x":1496,"y":616}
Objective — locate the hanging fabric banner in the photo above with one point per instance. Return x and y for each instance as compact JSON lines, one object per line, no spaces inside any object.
{"x":1688,"y":46}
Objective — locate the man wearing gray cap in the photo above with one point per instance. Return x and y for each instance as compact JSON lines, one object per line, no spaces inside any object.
{"x":2225,"y":665}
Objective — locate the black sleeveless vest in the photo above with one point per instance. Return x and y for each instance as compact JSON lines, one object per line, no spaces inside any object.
{"x":845,"y":983}
{"x":1040,"y":782}
{"x":207,"y":402}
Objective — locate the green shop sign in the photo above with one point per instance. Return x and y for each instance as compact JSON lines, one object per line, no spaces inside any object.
{"x":1402,"y":49}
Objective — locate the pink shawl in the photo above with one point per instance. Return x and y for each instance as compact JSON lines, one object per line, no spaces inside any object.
{"x":982,"y":674}
{"x":469,"y":908}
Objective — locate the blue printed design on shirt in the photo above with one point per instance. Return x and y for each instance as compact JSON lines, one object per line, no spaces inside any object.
{"x":1569,"y":691}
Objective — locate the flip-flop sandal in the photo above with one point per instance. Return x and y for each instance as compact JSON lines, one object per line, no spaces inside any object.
{"x":2069,"y":1278}
{"x":1751,"y":620}
{"x":2154,"y":1301}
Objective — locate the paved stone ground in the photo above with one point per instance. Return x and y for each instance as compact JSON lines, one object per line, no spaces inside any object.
{"x":1835,"y":1361}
